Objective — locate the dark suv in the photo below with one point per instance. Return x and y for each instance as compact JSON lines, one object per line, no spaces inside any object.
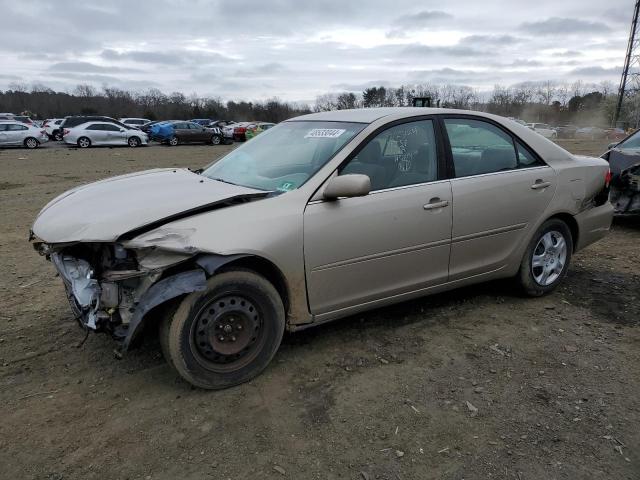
{"x":76,"y":120}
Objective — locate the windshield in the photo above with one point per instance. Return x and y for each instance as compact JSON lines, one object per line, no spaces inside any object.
{"x":284,"y":157}
{"x":630,"y":143}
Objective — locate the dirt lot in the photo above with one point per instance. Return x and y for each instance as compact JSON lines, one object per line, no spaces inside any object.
{"x":386,"y":395}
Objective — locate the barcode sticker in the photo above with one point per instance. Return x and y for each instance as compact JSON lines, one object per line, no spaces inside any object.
{"x":325,"y":133}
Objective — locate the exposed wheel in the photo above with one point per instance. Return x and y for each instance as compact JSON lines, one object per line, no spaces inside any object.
{"x":173,"y":141}
{"x":84,"y":142}
{"x":134,"y":142}
{"x":31,"y":143}
{"x":57,"y":136}
{"x":547,"y":258}
{"x":216,"y":140}
{"x":227,"y":334}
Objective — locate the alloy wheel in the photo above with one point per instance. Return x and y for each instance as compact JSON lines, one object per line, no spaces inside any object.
{"x":549,"y":258}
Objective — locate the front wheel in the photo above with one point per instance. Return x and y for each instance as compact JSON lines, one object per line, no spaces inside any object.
{"x":546,"y":259}
{"x":227,"y":334}
{"x":216,"y":140}
{"x":134,"y":142}
{"x":57,"y":136}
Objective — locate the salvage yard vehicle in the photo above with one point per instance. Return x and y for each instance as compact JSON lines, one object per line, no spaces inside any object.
{"x":543,"y":129}
{"x":318,"y":218}
{"x":53,"y":129}
{"x":135,"y":122}
{"x":624,"y":162}
{"x":75,"y":120}
{"x":257,"y":128}
{"x":98,"y":134}
{"x":177,"y":132}
{"x":15,"y":133}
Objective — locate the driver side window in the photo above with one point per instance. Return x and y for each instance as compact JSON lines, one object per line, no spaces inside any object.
{"x":402,"y":155}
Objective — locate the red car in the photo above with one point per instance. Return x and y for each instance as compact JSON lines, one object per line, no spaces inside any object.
{"x":240,"y":131}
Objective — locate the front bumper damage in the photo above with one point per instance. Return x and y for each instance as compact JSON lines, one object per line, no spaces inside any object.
{"x":111,"y":288}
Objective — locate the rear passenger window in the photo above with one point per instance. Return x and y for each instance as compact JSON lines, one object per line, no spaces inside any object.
{"x":401,"y":155}
{"x":479,"y":147}
{"x":526,"y":158}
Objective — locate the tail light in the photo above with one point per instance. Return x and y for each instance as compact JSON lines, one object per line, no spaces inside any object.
{"x":45,"y":124}
{"x":240,"y":130}
{"x":607,"y":178}
{"x":43,"y":132}
{"x":65,"y":131}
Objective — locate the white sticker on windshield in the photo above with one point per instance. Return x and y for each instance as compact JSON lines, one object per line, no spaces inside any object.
{"x":325,"y":133}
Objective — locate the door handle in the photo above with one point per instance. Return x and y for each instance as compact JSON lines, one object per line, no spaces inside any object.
{"x":436,"y":203}
{"x":540,"y":184}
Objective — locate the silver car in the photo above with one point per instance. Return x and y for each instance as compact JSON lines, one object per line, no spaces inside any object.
{"x":15,"y":133}
{"x":104,"y":133}
{"x":318,"y":218}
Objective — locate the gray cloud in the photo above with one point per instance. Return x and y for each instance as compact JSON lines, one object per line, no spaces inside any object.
{"x":596,"y":71}
{"x":294,"y":51}
{"x":563,"y":26}
{"x":89,"y":68}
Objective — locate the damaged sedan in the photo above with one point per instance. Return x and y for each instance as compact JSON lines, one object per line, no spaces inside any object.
{"x":318,"y":218}
{"x":624,"y":162}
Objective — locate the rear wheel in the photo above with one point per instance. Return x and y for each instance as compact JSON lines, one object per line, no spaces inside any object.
{"x":84,"y":142}
{"x":31,"y":143}
{"x":134,"y":142}
{"x":173,"y":141}
{"x":57,"y":136}
{"x":546,"y":259}
{"x":227,"y":334}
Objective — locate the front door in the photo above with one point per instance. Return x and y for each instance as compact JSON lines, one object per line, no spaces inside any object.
{"x":393,"y":241}
{"x":500,"y":189}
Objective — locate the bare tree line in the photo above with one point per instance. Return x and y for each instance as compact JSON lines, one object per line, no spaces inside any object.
{"x":548,"y":101}
{"x":42,"y":102}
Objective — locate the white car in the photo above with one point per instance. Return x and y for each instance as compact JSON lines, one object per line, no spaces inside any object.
{"x":20,"y":134}
{"x":543,"y":129}
{"x":135,"y":122}
{"x":52,"y":128}
{"x":104,"y":133}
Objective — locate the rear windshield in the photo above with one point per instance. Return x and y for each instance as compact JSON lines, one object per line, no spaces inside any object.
{"x":285,"y":156}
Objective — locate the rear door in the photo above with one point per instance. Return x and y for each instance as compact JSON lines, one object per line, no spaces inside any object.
{"x":182,"y":131}
{"x":3,"y":133}
{"x":395,"y":240}
{"x":500,"y":188}
{"x":96,"y":134}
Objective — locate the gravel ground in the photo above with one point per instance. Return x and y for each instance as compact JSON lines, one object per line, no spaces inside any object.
{"x":475,"y":383}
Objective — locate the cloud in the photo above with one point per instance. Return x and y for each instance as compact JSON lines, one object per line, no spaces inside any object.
{"x":567,"y":53}
{"x":491,"y":40}
{"x":416,"y":22}
{"x":563,"y":26}
{"x":89,"y":68}
{"x":171,"y":57}
{"x":596,"y":71}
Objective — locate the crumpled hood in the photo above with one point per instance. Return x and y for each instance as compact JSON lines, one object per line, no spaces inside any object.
{"x":105,"y":210}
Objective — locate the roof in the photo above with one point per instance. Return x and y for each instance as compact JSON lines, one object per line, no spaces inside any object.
{"x":370,"y":115}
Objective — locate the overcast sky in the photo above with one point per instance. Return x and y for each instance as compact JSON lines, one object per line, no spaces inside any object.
{"x":295,"y":50}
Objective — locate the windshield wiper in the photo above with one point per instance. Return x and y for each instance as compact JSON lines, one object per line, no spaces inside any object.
{"x":225,"y":181}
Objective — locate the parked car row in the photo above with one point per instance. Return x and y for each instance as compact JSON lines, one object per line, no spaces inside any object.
{"x":16,"y":133}
{"x":573,"y":131}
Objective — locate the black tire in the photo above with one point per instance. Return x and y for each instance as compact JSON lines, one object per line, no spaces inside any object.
{"x":84,"y":142}
{"x":31,"y":143}
{"x":200,"y":339}
{"x":133,"y":142}
{"x":528,"y":273}
{"x":216,"y":140}
{"x":57,"y":136}
{"x":173,"y":141}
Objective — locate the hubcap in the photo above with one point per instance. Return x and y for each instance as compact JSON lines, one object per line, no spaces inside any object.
{"x":31,"y":143}
{"x":549,"y":258}
{"x":227,"y":330}
{"x":84,"y":142}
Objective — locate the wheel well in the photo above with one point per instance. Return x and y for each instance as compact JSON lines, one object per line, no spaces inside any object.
{"x":268,"y":270}
{"x":572,"y":224}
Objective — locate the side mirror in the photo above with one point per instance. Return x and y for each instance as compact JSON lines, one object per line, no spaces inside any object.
{"x":611,"y":145}
{"x":351,"y":185}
